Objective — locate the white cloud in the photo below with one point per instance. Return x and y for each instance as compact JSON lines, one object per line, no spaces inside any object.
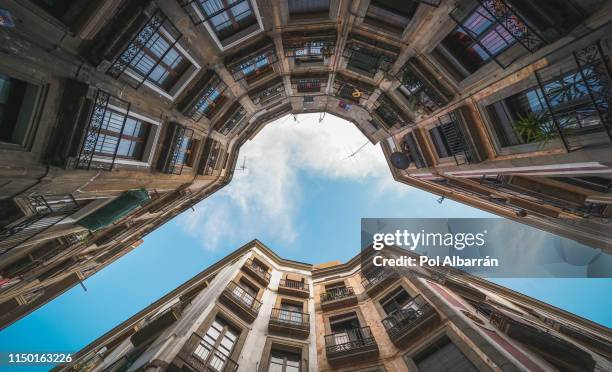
{"x":267,"y":195}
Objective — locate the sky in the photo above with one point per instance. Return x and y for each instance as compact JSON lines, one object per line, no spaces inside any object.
{"x":302,"y":194}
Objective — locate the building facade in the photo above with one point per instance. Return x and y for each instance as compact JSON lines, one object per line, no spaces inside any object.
{"x":255,"y":311}
{"x":118,"y":115}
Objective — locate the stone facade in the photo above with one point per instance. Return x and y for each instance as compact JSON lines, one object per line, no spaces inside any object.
{"x":344,"y":317}
{"x":119,"y":115}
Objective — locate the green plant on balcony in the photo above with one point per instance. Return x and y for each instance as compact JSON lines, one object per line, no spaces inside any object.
{"x":535,"y":127}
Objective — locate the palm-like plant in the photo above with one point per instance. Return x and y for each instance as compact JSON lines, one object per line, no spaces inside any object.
{"x":535,"y":128}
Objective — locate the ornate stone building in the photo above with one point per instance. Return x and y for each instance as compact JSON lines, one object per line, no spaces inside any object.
{"x":255,"y":311}
{"x":115,"y":116}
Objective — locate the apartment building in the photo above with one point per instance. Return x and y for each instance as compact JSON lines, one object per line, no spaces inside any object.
{"x":256,"y":311}
{"x":118,"y":115}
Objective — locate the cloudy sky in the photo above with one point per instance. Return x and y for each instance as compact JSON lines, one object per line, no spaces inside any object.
{"x":302,"y":193}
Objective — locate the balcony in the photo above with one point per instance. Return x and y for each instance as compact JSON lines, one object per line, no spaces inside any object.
{"x":252,"y":63}
{"x":199,"y":355}
{"x":338,"y":297}
{"x":388,"y":114}
{"x":269,"y":94}
{"x":210,"y":160}
{"x":350,"y":346}
{"x":411,"y":148}
{"x":313,"y":46}
{"x":294,"y":288}
{"x":176,"y":149}
{"x":351,"y":89}
{"x":157,"y":324}
{"x":379,"y":280}
{"x":205,"y":99}
{"x":257,"y":272}
{"x":44,"y":213}
{"x":410,"y":320}
{"x":289,"y":322}
{"x":425,"y":94}
{"x":232,"y":119}
{"x":241,"y":301}
{"x":367,"y":56}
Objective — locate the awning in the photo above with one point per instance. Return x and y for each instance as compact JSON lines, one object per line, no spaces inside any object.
{"x":115,"y":210}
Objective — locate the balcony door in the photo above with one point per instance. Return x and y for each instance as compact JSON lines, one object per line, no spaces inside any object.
{"x":291,"y":312}
{"x":246,"y":293}
{"x":284,"y":361}
{"x":346,"y":330}
{"x":217,"y":345}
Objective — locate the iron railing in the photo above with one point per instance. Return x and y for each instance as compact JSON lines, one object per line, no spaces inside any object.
{"x":352,"y":89}
{"x":308,"y":85}
{"x":403,"y":320}
{"x":242,"y":296}
{"x":210,"y":157}
{"x":210,"y":98}
{"x":142,"y":40}
{"x":388,"y":112}
{"x":373,"y":279}
{"x":201,"y":356}
{"x":456,"y":138}
{"x":233,"y":119}
{"x":503,"y":15}
{"x":337,"y":294}
{"x":179,"y":148}
{"x":578,"y":100}
{"x":294,"y":284}
{"x":262,"y":272}
{"x":100,"y":119}
{"x":309,"y":44}
{"x":254,"y":63}
{"x":268,"y":95}
{"x":349,"y":340}
{"x":369,"y":55}
{"x":47,"y":212}
{"x":421,"y":90}
{"x":289,"y":318}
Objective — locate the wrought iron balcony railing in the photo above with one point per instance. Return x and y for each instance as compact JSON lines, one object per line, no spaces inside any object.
{"x":268,"y":95}
{"x":257,"y":269}
{"x":177,"y":148}
{"x":403,"y":321}
{"x":577,"y":99}
{"x":309,"y":44}
{"x":351,"y":89}
{"x":294,"y":284}
{"x":47,"y":211}
{"x":424,"y":93}
{"x":349,"y":341}
{"x":289,"y":318}
{"x":337,"y":294}
{"x":209,"y":98}
{"x":201,"y":356}
{"x":507,"y":20}
{"x":369,"y":56}
{"x":103,"y":147}
{"x":243,"y":297}
{"x":456,"y":138}
{"x":149,"y":37}
{"x":374,"y":279}
{"x":232,"y":120}
{"x":253,"y":64}
{"x":210,"y":157}
{"x":388,"y":112}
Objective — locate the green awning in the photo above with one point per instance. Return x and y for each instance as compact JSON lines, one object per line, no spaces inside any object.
{"x":115,"y":210}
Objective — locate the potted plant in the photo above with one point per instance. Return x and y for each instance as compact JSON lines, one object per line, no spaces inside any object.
{"x":535,"y":127}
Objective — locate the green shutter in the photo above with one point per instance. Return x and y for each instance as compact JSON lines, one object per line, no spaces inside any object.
{"x":115,"y":210}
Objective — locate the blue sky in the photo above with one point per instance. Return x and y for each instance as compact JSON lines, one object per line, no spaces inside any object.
{"x":300,"y":194}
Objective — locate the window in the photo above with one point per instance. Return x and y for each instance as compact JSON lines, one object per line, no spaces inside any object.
{"x":345,"y":328}
{"x":443,"y":355}
{"x":17,"y":100}
{"x":450,"y":141}
{"x":284,"y":361}
{"x":153,"y":55}
{"x":246,"y":292}
{"x":227,"y":17}
{"x":253,"y":66}
{"x":595,"y":183}
{"x":482,"y":35}
{"x":308,"y":85}
{"x":290,"y":312}
{"x":128,"y":140}
{"x":399,"y":299}
{"x":364,"y":60}
{"x":567,"y":96}
{"x":217,"y":344}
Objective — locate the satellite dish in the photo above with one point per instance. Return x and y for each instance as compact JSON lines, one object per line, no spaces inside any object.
{"x":400,"y":160}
